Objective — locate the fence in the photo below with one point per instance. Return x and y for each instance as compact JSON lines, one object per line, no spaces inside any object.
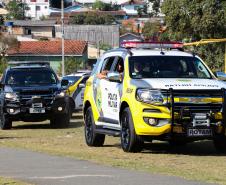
{"x":94,"y":34}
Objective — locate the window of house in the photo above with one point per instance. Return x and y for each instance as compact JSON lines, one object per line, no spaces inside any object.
{"x":27,"y":31}
{"x":38,"y":8}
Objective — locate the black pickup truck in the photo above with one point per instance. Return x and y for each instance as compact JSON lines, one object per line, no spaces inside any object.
{"x":33,"y":93}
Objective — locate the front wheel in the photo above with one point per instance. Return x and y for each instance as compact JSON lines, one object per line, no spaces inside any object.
{"x":92,"y":138}
{"x":130,"y":142}
{"x":5,"y":123}
{"x":60,"y":120}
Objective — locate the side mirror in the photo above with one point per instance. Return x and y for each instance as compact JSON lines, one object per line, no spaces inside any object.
{"x":220,"y":75}
{"x":64,"y":83}
{"x":81,"y":85}
{"x":114,"y":77}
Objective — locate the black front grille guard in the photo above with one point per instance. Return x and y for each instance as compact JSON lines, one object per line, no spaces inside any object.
{"x":172,"y":106}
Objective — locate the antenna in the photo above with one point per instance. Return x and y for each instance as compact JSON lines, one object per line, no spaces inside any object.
{"x":161,"y":46}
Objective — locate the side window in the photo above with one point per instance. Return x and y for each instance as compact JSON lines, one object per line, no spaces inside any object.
{"x":107,"y":64}
{"x":201,"y":70}
{"x":119,"y":65}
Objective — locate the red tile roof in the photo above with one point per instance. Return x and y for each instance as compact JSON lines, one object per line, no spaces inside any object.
{"x":40,"y":48}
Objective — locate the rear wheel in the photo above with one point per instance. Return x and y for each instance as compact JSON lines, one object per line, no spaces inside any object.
{"x":5,"y":123}
{"x":220,"y":143}
{"x":92,"y":138}
{"x":130,"y":142}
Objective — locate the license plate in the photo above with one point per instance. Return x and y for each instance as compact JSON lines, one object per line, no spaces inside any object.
{"x":37,"y":110}
{"x":199,"y":132}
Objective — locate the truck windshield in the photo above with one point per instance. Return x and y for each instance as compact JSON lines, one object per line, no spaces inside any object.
{"x":167,"y":67}
{"x":27,"y":77}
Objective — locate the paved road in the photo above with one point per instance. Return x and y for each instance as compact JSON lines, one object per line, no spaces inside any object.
{"x":43,"y":169}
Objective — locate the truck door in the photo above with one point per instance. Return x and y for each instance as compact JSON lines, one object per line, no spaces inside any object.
{"x":111,"y":96}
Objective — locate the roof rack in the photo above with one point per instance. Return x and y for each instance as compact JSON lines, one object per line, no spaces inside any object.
{"x":29,"y":63}
{"x":152,"y":45}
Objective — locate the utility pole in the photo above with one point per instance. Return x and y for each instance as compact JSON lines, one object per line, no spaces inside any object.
{"x":62,"y":31}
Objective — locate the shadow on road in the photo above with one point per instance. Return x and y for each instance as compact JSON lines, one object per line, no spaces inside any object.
{"x":10,"y":137}
{"x":46,"y":125}
{"x":202,"y":148}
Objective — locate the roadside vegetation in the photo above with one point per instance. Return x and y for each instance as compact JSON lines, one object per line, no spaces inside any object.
{"x":191,"y":21}
{"x":198,"y":161}
{"x":7,"y":181}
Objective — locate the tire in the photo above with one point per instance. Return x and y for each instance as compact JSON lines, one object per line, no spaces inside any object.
{"x":5,"y":123}
{"x":92,"y":138}
{"x":60,"y":120}
{"x":130,"y":142}
{"x":220,"y":143}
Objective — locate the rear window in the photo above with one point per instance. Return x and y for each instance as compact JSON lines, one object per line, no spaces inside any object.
{"x":167,"y":67}
{"x":72,"y":79}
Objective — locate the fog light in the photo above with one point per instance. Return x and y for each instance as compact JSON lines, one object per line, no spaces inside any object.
{"x":11,"y":110}
{"x":151,"y":121}
{"x":60,"y":108}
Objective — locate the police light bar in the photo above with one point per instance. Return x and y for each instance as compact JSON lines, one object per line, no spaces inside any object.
{"x":151,"y":45}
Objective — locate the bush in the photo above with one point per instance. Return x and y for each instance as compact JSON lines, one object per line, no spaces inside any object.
{"x":71,"y":65}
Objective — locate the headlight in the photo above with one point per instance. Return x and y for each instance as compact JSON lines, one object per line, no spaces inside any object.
{"x":150,"y":96}
{"x":61,"y":94}
{"x":11,"y":96}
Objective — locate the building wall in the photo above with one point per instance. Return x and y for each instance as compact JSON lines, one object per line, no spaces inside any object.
{"x":37,"y":9}
{"x":34,"y":31}
{"x":42,"y":31}
{"x":105,"y":34}
{"x":17,"y":30}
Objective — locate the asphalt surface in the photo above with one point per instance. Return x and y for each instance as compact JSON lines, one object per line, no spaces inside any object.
{"x":43,"y":169}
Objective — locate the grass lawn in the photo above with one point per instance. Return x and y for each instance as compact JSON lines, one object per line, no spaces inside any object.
{"x":198,"y":161}
{"x":7,"y":181}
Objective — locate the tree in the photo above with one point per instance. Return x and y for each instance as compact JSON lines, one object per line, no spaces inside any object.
{"x":16,"y":10}
{"x":155,"y":8}
{"x":151,"y":30}
{"x":195,"y":20}
{"x":6,"y":42}
{"x":92,"y":18}
{"x":71,"y":65}
{"x":99,"y":5}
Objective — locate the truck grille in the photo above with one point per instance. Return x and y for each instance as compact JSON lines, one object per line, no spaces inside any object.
{"x":46,"y":96}
{"x":196,"y":95}
{"x":197,"y":107}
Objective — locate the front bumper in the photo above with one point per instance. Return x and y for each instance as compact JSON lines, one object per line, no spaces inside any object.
{"x":36,"y":109}
{"x":180,"y":119}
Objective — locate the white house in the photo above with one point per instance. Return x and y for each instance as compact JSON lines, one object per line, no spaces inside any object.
{"x":131,"y":7}
{"x":37,"y":8}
